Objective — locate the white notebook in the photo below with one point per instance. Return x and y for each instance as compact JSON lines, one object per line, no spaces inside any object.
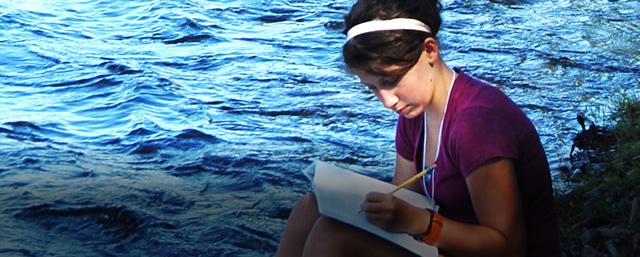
{"x":340,"y":192}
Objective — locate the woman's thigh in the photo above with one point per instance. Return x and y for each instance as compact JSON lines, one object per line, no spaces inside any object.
{"x":330,"y":237}
{"x":301,"y":221}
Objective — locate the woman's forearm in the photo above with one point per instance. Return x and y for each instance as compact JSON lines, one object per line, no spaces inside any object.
{"x":462,"y":239}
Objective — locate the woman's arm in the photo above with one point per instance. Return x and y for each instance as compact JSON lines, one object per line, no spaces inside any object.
{"x":496,"y":201}
{"x":405,"y":169}
{"x":495,"y":196}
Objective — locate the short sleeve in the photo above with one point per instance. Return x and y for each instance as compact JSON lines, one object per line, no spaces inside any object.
{"x":479,"y":135}
{"x":405,"y":138}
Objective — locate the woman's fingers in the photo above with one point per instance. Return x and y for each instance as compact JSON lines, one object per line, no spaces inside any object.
{"x":376,"y":202}
{"x":377,"y":197}
{"x":380,"y":217}
{"x":370,"y":207}
{"x":387,"y":212}
{"x":382,"y":220}
{"x":379,"y":209}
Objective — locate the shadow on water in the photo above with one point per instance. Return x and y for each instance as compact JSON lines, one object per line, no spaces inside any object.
{"x":118,"y":221}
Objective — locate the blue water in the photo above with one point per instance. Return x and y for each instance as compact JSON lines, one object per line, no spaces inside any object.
{"x":179,"y":128}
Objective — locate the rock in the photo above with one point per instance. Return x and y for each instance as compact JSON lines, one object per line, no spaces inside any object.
{"x":591,"y":236}
{"x":579,"y":163}
{"x":589,"y":205}
{"x":594,"y":168}
{"x":635,"y":211}
{"x":593,"y":222}
{"x":595,"y":193}
{"x":614,"y":233}
{"x":612,"y":248}
{"x":589,"y":251}
{"x":576,"y":173}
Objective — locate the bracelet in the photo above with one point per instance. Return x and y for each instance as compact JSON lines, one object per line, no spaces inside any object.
{"x":432,"y":234}
{"x":436,"y":228}
{"x":420,"y":237}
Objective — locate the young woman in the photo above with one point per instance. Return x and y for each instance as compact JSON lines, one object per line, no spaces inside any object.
{"x":491,"y":180}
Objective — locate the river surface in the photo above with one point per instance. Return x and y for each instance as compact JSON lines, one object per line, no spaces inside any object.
{"x":180,"y":128}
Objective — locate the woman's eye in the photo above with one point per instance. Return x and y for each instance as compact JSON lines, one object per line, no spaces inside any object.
{"x":371,"y":88}
{"x":388,"y":84}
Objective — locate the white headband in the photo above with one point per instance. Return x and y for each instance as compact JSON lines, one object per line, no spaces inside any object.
{"x":393,"y":24}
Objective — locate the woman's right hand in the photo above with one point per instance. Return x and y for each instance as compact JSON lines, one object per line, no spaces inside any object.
{"x":393,"y":214}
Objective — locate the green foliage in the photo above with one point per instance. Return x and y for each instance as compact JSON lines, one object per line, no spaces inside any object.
{"x":604,"y":199}
{"x":628,"y":118}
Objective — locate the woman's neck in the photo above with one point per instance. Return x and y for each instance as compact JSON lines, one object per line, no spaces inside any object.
{"x":442,"y":78}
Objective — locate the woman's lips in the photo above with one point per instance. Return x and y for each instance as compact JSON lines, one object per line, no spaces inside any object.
{"x":403,"y":110}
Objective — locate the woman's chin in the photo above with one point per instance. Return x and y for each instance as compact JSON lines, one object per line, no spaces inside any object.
{"x":411,"y":114}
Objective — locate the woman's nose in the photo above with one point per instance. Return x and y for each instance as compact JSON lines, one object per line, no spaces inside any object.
{"x":388,"y":98}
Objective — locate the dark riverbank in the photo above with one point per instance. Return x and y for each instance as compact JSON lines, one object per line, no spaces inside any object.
{"x":600,"y":214}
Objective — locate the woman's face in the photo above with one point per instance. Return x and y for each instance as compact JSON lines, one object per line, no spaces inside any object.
{"x":410,"y":96}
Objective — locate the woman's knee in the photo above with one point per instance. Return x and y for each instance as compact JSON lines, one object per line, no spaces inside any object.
{"x":346,"y":240}
{"x":336,"y":230}
{"x":307,"y":204}
{"x":304,"y":213}
{"x":301,"y":221}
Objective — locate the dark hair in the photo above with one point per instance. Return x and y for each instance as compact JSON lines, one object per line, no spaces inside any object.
{"x":373,"y":52}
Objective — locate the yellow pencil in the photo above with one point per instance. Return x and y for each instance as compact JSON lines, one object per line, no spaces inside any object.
{"x":412,"y":179}
{"x":409,"y":181}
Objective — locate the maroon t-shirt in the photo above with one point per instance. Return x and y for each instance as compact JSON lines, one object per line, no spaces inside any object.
{"x":480,"y":124}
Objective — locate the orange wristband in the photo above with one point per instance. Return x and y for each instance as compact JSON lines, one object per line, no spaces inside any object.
{"x":433,"y":234}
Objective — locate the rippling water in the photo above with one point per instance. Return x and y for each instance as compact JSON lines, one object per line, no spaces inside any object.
{"x":171,"y":128}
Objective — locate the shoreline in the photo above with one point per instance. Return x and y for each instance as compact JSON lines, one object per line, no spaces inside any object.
{"x":599,"y":215}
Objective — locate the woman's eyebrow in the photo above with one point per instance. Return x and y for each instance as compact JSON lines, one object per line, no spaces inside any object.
{"x":389,"y":82}
{"x":366,"y":84}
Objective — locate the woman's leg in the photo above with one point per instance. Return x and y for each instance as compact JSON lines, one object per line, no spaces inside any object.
{"x":309,"y":234}
{"x":330,"y":237}
{"x":301,"y":221}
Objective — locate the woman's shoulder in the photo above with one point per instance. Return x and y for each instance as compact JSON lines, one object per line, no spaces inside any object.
{"x":477,"y":104}
{"x":478,"y":90}
{"x":474,"y":96}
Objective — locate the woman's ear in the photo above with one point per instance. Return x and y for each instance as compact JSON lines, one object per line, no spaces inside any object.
{"x":431,"y":50}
